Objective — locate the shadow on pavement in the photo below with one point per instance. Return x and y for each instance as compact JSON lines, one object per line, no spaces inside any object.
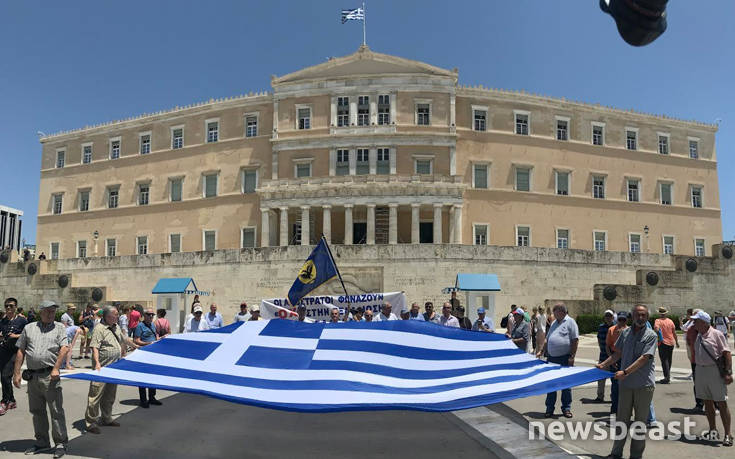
{"x":587,"y":401}
{"x":16,"y":446}
{"x":196,"y":426}
{"x":686,"y":411}
{"x":130,"y":402}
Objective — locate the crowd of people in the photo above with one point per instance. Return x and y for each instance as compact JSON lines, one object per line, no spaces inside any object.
{"x":107,"y":334}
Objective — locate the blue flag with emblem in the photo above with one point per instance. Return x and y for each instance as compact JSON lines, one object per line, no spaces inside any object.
{"x":317,"y":269}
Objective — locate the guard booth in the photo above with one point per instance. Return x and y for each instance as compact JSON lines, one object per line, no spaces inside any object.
{"x":479,"y":291}
{"x":172,"y":295}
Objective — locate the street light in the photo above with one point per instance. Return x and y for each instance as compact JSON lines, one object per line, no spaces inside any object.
{"x":645,"y":231}
{"x":96,"y":236}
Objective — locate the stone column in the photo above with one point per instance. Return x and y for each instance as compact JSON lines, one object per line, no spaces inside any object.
{"x":438,"y":224}
{"x":348,"y":224}
{"x":373,"y":109}
{"x":275,"y":121}
{"x":370,"y":224}
{"x":373,"y":160}
{"x":415,"y":223}
{"x":458,"y":223}
{"x":452,"y":160}
{"x":392,"y":223}
{"x":451,"y":224}
{"x":305,"y":225}
{"x":327,"y":222}
{"x":265,"y":237}
{"x":284,"y":226}
{"x":353,"y":111}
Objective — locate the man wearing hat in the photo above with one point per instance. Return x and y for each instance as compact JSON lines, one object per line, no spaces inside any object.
{"x":667,"y":330}
{"x":43,"y":346}
{"x":255,"y":312}
{"x":483,"y":323}
{"x":196,"y":322}
{"x":521,"y":333}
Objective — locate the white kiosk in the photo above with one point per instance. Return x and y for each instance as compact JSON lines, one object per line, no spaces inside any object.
{"x":171,"y":295}
{"x":479,"y":292}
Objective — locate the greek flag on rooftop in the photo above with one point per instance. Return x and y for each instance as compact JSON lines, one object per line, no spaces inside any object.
{"x":358,"y":14}
{"x":321,"y":367}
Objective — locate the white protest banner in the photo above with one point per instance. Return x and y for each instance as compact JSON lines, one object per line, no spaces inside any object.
{"x":318,"y":307}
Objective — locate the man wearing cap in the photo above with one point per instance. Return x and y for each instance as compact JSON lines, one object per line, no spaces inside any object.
{"x":635,"y":349}
{"x":11,"y":326}
{"x":447,"y":319}
{"x":483,"y":323}
{"x":521,"y":333}
{"x":145,"y":335}
{"x":255,"y":313}
{"x":691,"y":337}
{"x":43,"y":345}
{"x":196,"y":322}
{"x":243,"y":315}
{"x":602,"y":329}
{"x":667,"y":329}
{"x":612,"y":336}
{"x":710,"y":385}
{"x":561,"y":347}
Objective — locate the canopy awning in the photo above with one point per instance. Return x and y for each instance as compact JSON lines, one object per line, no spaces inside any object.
{"x":177,"y":285}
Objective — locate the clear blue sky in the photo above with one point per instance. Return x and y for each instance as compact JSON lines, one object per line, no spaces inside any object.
{"x":64,"y":65}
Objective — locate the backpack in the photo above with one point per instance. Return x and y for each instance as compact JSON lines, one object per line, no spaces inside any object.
{"x":504,"y":322}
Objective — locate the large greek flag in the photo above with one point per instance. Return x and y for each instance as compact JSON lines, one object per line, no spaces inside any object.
{"x":345,"y":366}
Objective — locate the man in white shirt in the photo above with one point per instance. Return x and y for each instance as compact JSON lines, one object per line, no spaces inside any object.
{"x":214,"y":318}
{"x":243,"y":315}
{"x":385,"y":313}
{"x":447,"y":319}
{"x":196,"y":322}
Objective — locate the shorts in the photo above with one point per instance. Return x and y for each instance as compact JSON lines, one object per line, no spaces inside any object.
{"x":708,"y":384}
{"x":71,"y":332}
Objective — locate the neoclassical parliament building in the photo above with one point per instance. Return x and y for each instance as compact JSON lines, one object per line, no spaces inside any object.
{"x":375,"y":149}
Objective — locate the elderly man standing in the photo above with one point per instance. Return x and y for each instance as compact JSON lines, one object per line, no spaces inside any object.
{"x":561,"y":344}
{"x":385,"y":313}
{"x":666,"y":327}
{"x":635,"y":348}
{"x":521,"y":332}
{"x":144,"y":335}
{"x":107,"y":347}
{"x":711,"y":381}
{"x":415,"y":313}
{"x":447,"y":319}
{"x":214,"y":318}
{"x":44,"y":344}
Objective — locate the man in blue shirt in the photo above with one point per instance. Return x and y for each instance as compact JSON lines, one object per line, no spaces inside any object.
{"x":415,"y":313}
{"x":602,"y":343}
{"x":483,"y":323}
{"x":144,"y":335}
{"x":214,"y":318}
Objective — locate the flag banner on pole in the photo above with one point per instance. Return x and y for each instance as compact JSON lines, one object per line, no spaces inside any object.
{"x":319,"y":367}
{"x":318,"y":307}
{"x":317,"y":269}
{"x":357,"y":14}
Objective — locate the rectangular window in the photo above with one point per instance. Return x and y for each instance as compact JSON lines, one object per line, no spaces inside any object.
{"x":210,"y":185}
{"x":343,"y":111}
{"x":562,"y":130}
{"x":251,"y":126}
{"x":54,"y":250}
{"x":663,"y":144}
{"x":383,"y":163}
{"x":363,"y":111}
{"x":634,"y":242}
{"x":83,"y":201}
{"x":142,"y":245}
{"x":598,"y":187}
{"x":480,"y":234}
{"x":175,"y":243}
{"x":666,"y":194}
{"x":177,"y":187}
{"x":562,"y":238}
{"x":82,"y":249}
{"x":304,"y":117}
{"x":248,"y":237}
{"x":668,"y":245}
{"x":249,"y":180}
{"x":598,"y":134}
{"x":111,"y":247}
{"x":145,"y":144}
{"x":631,"y":139}
{"x":58,"y":203}
{"x":177,"y":138}
{"x":693,"y":149}
{"x":363,"y":165}
{"x":423,"y":167}
{"x":423,"y":114}
{"x":212,"y":131}
{"x":523,"y":236}
{"x":600,"y":241}
{"x":523,"y":179}
{"x":86,"y":154}
{"x":143,"y":194}
{"x":210,"y":239}
{"x":479,"y":178}
{"x":562,"y":183}
{"x":303,"y":170}
{"x":114,"y":149}
{"x":343,"y":162}
{"x":384,"y":109}
{"x":480,"y":120}
{"x":699,"y":247}
{"x":696,"y":196}
{"x":521,"y":124}
{"x":60,"y":159}
{"x":113,"y":195}
{"x":633,"y":190}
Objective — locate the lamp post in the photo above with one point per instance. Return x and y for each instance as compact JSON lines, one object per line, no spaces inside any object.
{"x":645,"y":231}
{"x":96,"y":236}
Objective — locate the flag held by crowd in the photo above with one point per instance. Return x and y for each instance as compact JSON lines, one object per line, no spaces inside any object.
{"x":321,"y":367}
{"x":317,"y":269}
{"x":357,"y":14}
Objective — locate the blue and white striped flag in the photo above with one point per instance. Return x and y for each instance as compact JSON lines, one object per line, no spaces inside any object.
{"x":345,"y":366}
{"x":358,"y":14}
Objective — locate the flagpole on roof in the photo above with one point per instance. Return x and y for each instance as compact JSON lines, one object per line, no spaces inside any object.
{"x":364,"y":24}
{"x":347,"y":295}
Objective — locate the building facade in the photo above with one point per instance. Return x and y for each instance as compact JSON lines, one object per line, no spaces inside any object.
{"x":11,"y":227}
{"x":375,"y":149}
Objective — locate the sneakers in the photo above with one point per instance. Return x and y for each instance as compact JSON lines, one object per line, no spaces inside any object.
{"x":60,"y":451}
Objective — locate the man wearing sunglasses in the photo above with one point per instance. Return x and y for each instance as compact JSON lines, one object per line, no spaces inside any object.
{"x":144,"y":335}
